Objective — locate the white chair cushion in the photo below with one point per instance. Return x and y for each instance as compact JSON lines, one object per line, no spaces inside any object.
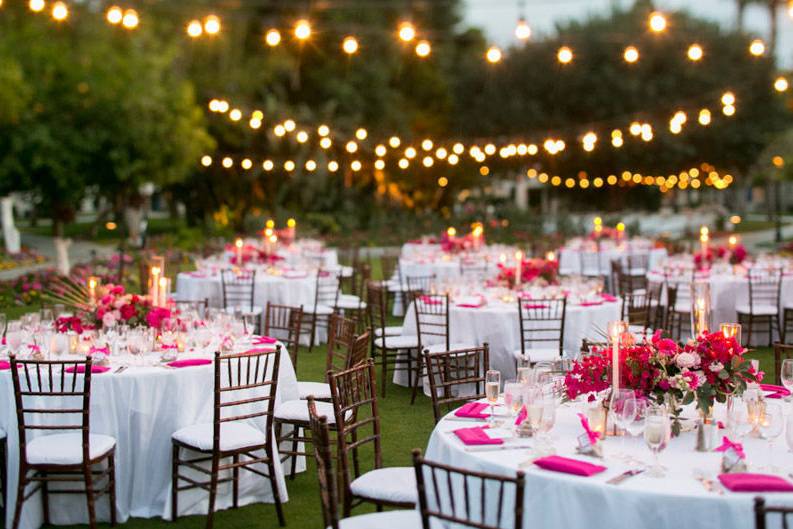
{"x":297,"y":410}
{"x":322,"y":310}
{"x":759,"y":310}
{"x":66,"y":448}
{"x":389,"y":331}
{"x":320,"y":390}
{"x":391,"y":484}
{"x":383,"y":520}
{"x":233,"y":436}
{"x":441,"y":347}
{"x":540,"y":355}
{"x":398,"y":342}
{"x":351,"y":303}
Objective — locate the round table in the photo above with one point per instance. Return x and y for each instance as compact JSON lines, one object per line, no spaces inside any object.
{"x":294,"y":289}
{"x":497,"y":323}
{"x":570,"y":258}
{"x":141,"y":407}
{"x":554,"y":499}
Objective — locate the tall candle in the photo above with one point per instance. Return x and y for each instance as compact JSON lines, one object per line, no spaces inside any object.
{"x":93,"y":282}
{"x":704,"y":237}
{"x":162,"y":296}
{"x":615,"y":330}
{"x":154,"y":287}
{"x":518,"y":268}
{"x":291,"y":226}
{"x":451,"y":231}
{"x":732,"y":242}
{"x":238,"y":244}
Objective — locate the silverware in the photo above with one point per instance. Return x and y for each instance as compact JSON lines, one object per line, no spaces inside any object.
{"x":120,"y":370}
{"x":616,"y":480}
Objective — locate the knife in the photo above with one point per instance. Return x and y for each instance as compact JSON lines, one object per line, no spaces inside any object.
{"x":616,"y":480}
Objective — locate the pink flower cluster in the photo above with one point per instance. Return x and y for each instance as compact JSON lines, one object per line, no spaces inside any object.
{"x":734,"y":256}
{"x":114,"y":306}
{"x":252,"y":254}
{"x":453,"y":244}
{"x":705,"y":370}
{"x":531,"y":270}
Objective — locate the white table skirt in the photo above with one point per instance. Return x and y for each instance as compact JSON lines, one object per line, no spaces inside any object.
{"x":570,"y":260}
{"x":142,"y":407}
{"x":554,"y":500}
{"x":498,"y":324}
{"x":441,"y":268}
{"x":275,"y":289}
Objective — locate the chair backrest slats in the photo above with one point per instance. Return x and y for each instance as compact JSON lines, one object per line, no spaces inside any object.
{"x":284,"y":322}
{"x":542,"y":322}
{"x":456,"y":377}
{"x":432,"y":318}
{"x":239,"y":287}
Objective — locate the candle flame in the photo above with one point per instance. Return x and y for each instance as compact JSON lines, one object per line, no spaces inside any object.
{"x":291,"y":223}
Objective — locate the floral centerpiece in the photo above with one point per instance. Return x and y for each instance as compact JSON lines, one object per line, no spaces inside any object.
{"x":252,"y":254}
{"x":110,"y":305}
{"x":703,"y":371}
{"x":605,"y":232}
{"x":454,"y":244}
{"x":733,"y":255}
{"x":542,"y":271}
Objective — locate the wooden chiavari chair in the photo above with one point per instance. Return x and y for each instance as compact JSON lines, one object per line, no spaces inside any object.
{"x":328,"y":488}
{"x":352,"y":304}
{"x":678,"y":300}
{"x":341,"y":337}
{"x":453,"y":373}
{"x":284,"y":322}
{"x":541,"y":329}
{"x":763,"y":306}
{"x":358,"y":426}
{"x":590,"y":263}
{"x":245,"y":390}
{"x":239,"y":287}
{"x":448,"y":495}
{"x":395,"y":351}
{"x":326,"y":294}
{"x":419,"y":284}
{"x":638,"y":309}
{"x":588,"y":346}
{"x":762,"y":512}
{"x":68,"y":452}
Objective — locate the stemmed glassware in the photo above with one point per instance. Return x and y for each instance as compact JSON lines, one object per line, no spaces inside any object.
{"x":738,"y":420}
{"x":786,"y":374}
{"x":656,"y":436}
{"x":513,"y":398}
{"x":524,"y":369}
{"x":622,"y":408}
{"x":492,"y":388}
{"x":771,"y":427}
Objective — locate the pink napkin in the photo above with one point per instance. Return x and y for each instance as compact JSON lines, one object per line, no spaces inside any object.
{"x":94,"y":369}
{"x":608,"y":297}
{"x":776,"y":392}
{"x":259,"y":340}
{"x":190,"y":362}
{"x":4,"y":365}
{"x":522,"y":414}
{"x":568,"y":466}
{"x":590,"y":303}
{"x":535,"y":306}
{"x":476,"y":436}
{"x":745,"y":482}
{"x":473,"y":410}
{"x":430,"y":300}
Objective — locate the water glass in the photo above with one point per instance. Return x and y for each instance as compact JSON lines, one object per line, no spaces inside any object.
{"x":771,"y":427}
{"x":492,"y":388}
{"x":786,"y":373}
{"x":656,"y":436}
{"x":513,"y":397}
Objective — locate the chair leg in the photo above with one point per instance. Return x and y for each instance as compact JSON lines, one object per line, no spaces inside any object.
{"x":749,"y":334}
{"x":235,"y":483}
{"x":383,"y":370}
{"x":279,"y":509}
{"x":112,"y":488}
{"x":417,"y":382}
{"x":295,"y":435}
{"x":213,"y":490}
{"x":89,"y":495}
{"x":21,"y":486}
{"x":175,"y":483}
{"x":45,"y":499}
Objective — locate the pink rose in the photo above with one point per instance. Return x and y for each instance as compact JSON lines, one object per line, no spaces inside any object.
{"x":109,"y":319}
{"x":687,"y":360}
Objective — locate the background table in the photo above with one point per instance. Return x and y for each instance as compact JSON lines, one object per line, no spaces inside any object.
{"x":141,"y":407}
{"x":554,"y":499}
{"x":278,"y":289}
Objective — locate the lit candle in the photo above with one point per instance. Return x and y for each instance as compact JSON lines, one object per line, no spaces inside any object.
{"x":732,"y":242}
{"x":93,"y":282}
{"x":238,"y":244}
{"x":291,"y":226}
{"x":704,"y":237}
{"x":620,"y":231}
{"x":162,"y":296}
{"x":476,"y":232}
{"x":550,"y":256}
{"x":732,"y":330}
{"x":615,"y":330}
{"x":451,"y":231}
{"x":269,"y":224}
{"x":598,"y":225}
{"x":154,"y":287}
{"x":518,"y":268}
{"x":700,"y":310}
{"x":701,"y":326}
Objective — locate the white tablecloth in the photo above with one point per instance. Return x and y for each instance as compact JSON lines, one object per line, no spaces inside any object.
{"x":498,"y":324}
{"x":141,"y":407}
{"x":554,"y":500}
{"x":273,"y":288}
{"x":570,"y":259}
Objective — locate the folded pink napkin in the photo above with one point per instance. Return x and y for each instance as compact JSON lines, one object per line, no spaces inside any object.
{"x":590,"y":303}
{"x":568,"y":466}
{"x":259,"y":340}
{"x":94,"y":369}
{"x":190,"y":362}
{"x":473,"y":410}
{"x":5,"y":365}
{"x":535,"y":306}
{"x":522,"y":414}
{"x":776,"y":392}
{"x":469,"y":306}
{"x":476,"y":436}
{"x":608,"y":297}
{"x":430,"y":300}
{"x":259,"y":350}
{"x":745,"y":482}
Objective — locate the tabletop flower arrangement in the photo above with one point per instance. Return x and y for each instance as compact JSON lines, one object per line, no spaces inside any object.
{"x":541,"y":271}
{"x":703,"y":371}
{"x":251,"y":254}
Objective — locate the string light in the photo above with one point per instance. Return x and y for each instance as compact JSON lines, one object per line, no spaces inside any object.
{"x":394,"y":142}
{"x":206,"y":160}
{"x":704,"y":117}
{"x":781,"y":84}
{"x":302,"y":136}
{"x":268,"y":165}
{"x":131,"y":19}
{"x":657,"y":22}
{"x":351,"y":147}
{"x":290,"y":125}
{"x":356,"y":165}
{"x":311,"y":165}
{"x":323,"y":130}
{"x":631,"y":54}
{"x":423,"y":49}
{"x":564,"y":55}
{"x":227,"y":162}
{"x":246,"y":164}
{"x":114,"y":15}
{"x":757,"y":48}
{"x":37,"y":6}
{"x":361,"y":134}
{"x":493,"y":55}
{"x":407,"y":32}
{"x":212,"y":25}
{"x":325,"y":143}
{"x":522,"y":30}
{"x":380,"y":150}
{"x":289,"y":166}
{"x":695,"y":52}
{"x":235,"y":114}
{"x":272,"y":38}
{"x":333,"y":166}
{"x":349,"y":45}
{"x":60,"y":11}
{"x":195,"y":29}
{"x":302,"y":29}
{"x":728,"y":98}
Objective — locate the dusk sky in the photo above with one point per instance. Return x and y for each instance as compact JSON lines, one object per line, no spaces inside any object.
{"x":498,"y":17}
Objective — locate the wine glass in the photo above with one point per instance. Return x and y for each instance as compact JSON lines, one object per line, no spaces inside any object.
{"x":786,"y":374}
{"x":634,"y":426}
{"x":622,"y":408}
{"x":656,"y":436}
{"x":771,"y":426}
{"x":512,"y":397}
{"x":524,"y":369}
{"x":547,"y":421}
{"x":738,"y":421}
{"x":492,"y":387}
